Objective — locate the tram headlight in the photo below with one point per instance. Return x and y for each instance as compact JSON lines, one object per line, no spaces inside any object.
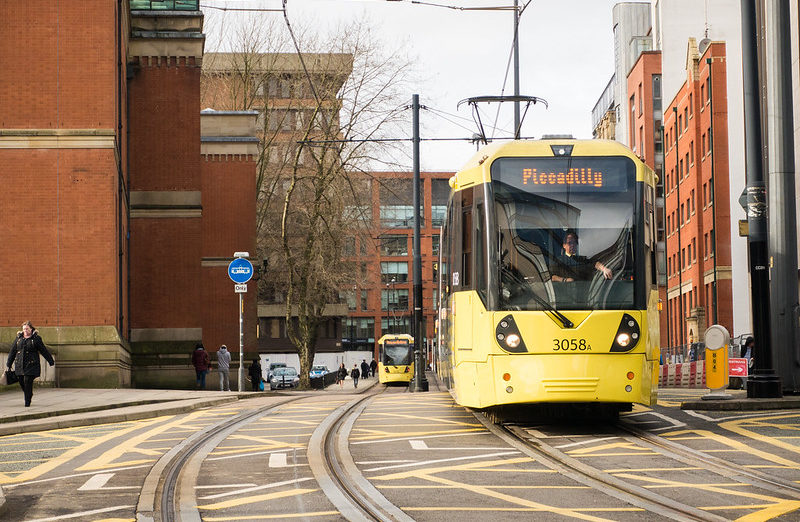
{"x":508,"y":337}
{"x":627,"y":336}
{"x":513,"y":340}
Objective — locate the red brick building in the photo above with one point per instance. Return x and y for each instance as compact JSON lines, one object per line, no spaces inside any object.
{"x":697,"y":198}
{"x":116,"y":207}
{"x":645,"y":114}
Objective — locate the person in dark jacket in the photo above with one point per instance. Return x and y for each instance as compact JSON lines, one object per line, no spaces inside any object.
{"x":364,"y":369}
{"x":355,"y":374}
{"x":373,"y":367}
{"x":201,"y":362}
{"x":341,"y":375}
{"x":24,"y":355}
{"x":255,"y":374}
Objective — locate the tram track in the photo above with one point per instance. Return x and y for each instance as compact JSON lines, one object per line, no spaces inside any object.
{"x":168,"y":491}
{"x":597,"y":479}
{"x":714,"y":464}
{"x":337,"y":474}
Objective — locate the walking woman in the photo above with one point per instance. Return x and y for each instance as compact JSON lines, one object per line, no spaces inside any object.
{"x":341,"y":373}
{"x":25,"y":357}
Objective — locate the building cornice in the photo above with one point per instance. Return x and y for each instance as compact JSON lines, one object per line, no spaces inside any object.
{"x":57,"y":139}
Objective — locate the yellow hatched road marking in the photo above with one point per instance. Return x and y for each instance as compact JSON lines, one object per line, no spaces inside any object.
{"x":72,"y":453}
{"x":469,"y":466}
{"x":107,"y":459}
{"x":267,"y":443}
{"x":746,"y":448}
{"x":443,"y":421}
{"x":771,"y":512}
{"x":592,"y":451}
{"x":256,"y":498}
{"x":712,"y":488}
{"x":740,"y":427}
{"x":378,"y":434}
{"x":481,"y":490}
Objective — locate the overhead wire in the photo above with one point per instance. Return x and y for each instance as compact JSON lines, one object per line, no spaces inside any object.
{"x":518,"y":15}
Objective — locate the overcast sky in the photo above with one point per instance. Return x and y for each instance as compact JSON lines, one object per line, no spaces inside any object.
{"x":566,"y":57}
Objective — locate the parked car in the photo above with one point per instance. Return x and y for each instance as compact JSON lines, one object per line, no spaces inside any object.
{"x":272,"y":367}
{"x":284,"y":377}
{"x":318,"y":371}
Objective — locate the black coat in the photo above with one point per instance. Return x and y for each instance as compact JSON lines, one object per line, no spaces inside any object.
{"x":354,"y":373}
{"x":25,"y":353}
{"x":255,"y":372}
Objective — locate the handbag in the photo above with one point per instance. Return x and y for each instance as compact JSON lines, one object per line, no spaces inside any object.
{"x":11,"y":377}
{"x":261,"y":386}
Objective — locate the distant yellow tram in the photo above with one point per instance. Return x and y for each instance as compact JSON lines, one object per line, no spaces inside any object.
{"x":396,"y":358}
{"x":548,"y":277}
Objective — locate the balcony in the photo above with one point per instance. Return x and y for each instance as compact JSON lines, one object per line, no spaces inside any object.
{"x":165,"y":5}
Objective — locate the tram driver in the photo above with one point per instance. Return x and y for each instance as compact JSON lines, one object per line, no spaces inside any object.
{"x":569,"y":266}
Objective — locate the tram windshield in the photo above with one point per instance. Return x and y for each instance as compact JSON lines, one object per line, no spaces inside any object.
{"x":396,"y":353}
{"x":565,"y":232}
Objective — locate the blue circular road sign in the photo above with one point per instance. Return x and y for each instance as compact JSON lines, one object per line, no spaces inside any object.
{"x":240,"y":270}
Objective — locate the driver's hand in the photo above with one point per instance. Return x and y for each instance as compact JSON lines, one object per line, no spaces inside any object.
{"x":607,"y":273}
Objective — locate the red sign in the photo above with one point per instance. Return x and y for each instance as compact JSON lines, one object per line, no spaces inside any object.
{"x":737,"y":367}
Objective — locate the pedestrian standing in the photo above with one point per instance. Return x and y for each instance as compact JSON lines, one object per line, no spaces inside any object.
{"x":373,"y":367}
{"x":341,"y":375}
{"x":24,"y":355}
{"x":201,"y":363}
{"x":355,"y":374}
{"x":255,"y":375}
{"x":364,"y":369}
{"x":223,"y":366}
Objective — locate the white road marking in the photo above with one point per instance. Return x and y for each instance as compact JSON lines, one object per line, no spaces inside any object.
{"x":256,"y":488}
{"x":417,"y":444}
{"x":427,"y":462}
{"x":217,"y":486}
{"x":239,"y":455}
{"x":9,"y":486}
{"x":83,"y":513}
{"x":590,"y":441}
{"x":374,"y":441}
{"x":277,"y":460}
{"x":99,"y":482}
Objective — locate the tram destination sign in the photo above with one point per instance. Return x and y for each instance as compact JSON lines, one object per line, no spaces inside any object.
{"x":240,"y":270}
{"x":582,"y":174}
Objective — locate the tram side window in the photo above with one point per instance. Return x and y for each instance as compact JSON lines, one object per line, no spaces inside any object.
{"x":480,"y":252}
{"x":466,"y":239}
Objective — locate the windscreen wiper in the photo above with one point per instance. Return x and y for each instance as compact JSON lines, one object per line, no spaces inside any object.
{"x":553,"y":311}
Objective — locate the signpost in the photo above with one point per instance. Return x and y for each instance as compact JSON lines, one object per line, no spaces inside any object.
{"x":240,"y":270}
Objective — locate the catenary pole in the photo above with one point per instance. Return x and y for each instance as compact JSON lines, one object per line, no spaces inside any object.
{"x":763,"y":382}
{"x":781,"y":216}
{"x":420,"y":383}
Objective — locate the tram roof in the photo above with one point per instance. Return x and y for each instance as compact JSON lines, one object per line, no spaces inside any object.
{"x":543,"y":148}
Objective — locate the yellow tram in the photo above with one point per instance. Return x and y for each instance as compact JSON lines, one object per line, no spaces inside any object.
{"x":395,"y":358}
{"x":548,"y":277}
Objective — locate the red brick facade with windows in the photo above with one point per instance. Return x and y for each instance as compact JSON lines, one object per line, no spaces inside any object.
{"x":644,"y":110}
{"x":110,"y":254}
{"x":693,"y":143}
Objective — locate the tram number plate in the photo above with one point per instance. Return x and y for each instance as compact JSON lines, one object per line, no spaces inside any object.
{"x":571,"y":345}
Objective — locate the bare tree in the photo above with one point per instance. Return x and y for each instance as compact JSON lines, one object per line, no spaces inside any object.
{"x":320,"y":112}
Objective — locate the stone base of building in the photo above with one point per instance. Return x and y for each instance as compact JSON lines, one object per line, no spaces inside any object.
{"x":86,"y":356}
